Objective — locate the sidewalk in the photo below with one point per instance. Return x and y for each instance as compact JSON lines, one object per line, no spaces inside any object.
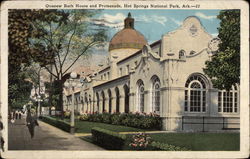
{"x":46,"y":137}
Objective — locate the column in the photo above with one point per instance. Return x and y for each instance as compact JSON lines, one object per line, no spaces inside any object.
{"x":113,"y":102}
{"x":122,"y":101}
{"x":100,"y":105}
{"x":85,"y":106}
{"x":94,"y":106}
{"x":132,"y":103}
{"x":89,"y":103}
{"x":107,"y":104}
{"x":147,"y":102}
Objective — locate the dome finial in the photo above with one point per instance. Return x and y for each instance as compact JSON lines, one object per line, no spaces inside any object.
{"x":129,"y":15}
{"x":129,"y":22}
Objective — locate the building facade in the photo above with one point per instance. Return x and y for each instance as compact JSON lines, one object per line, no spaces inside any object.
{"x":165,"y":77}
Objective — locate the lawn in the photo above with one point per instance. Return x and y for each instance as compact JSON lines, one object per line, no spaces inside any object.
{"x":191,"y":141}
{"x":201,"y":141}
{"x":85,"y":127}
{"x":195,"y":141}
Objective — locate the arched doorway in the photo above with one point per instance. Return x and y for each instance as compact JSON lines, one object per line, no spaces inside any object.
{"x":110,"y":100}
{"x":103,"y":102}
{"x":97,"y":101}
{"x":126,"y":96}
{"x":86,"y":102}
{"x":117,"y":94}
{"x":90,"y":103}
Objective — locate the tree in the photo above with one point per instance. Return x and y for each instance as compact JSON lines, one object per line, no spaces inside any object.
{"x":65,"y":42}
{"x":21,"y":31}
{"x":21,"y":55}
{"x":224,"y":67}
{"x":20,"y":91}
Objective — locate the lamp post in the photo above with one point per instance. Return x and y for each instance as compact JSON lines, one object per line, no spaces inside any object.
{"x":71,"y":84}
{"x":39,"y":104}
{"x":29,"y":104}
{"x":39,"y":99}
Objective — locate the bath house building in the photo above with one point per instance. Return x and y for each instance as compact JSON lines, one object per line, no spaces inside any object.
{"x":165,"y":77}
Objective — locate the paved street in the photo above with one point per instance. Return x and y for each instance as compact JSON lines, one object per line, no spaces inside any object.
{"x":46,"y":137}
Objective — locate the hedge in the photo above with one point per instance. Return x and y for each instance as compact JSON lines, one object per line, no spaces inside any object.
{"x":57,"y":123}
{"x":108,"y":139}
{"x":150,"y":121}
{"x":166,"y":147}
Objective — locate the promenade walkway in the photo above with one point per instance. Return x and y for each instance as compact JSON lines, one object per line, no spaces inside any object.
{"x":46,"y":137}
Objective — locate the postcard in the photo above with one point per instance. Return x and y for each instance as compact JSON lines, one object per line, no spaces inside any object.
{"x":124,"y":79}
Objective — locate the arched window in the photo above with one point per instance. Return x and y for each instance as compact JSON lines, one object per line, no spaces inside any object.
{"x":195,"y":94}
{"x":126,"y":98}
{"x":97,"y":101}
{"x":140,"y":96}
{"x":182,"y":54}
{"x":103,"y":102}
{"x":117,"y":99}
{"x":86,"y":101}
{"x":192,"y":52}
{"x":110,"y":100}
{"x":156,"y":92}
{"x":228,"y":100}
{"x":90,"y":101}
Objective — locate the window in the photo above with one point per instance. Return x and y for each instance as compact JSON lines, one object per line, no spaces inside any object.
{"x":79,"y":99}
{"x":101,"y":77}
{"x":108,"y":75}
{"x":195,"y":94}
{"x":140,"y":96}
{"x":135,"y":63}
{"x":105,"y":76}
{"x":120,"y":71}
{"x":192,"y":52}
{"x":156,"y":94}
{"x":228,"y":100}
{"x":181,"y":54}
{"x":127,"y":69}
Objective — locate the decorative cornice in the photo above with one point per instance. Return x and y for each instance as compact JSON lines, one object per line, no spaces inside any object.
{"x":114,"y":80}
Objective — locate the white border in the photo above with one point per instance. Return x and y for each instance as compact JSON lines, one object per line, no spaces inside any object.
{"x":244,"y":87}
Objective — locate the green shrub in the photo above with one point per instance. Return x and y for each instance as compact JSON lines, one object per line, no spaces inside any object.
{"x":56,"y":122}
{"x":67,"y":114}
{"x":90,"y":117}
{"x":106,"y":118}
{"x":115,"y":119}
{"x":137,"y":120}
{"x":166,"y":147}
{"x":126,"y":121}
{"x":98,"y":118}
{"x":108,"y":139}
{"x":84,"y":117}
{"x":122,"y":117}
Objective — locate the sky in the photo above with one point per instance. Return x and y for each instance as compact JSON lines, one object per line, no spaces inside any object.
{"x":152,"y":23}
